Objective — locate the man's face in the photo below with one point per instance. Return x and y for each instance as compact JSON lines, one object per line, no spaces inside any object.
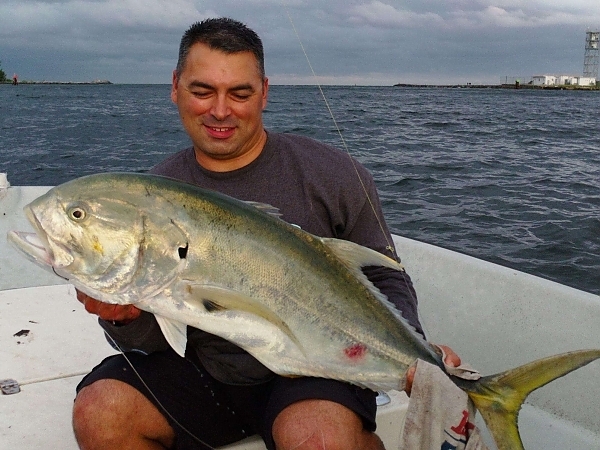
{"x":220,"y":98}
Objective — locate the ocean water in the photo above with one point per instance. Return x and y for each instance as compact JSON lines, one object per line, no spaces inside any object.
{"x":509,"y":176}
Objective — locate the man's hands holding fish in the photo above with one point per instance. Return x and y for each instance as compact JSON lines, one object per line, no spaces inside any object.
{"x":124,"y":314}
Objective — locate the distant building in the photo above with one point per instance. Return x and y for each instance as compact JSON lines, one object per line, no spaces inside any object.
{"x":565,"y":80}
{"x":562,"y":80}
{"x":544,"y":80}
{"x":590,"y":76}
{"x":586,"y":81}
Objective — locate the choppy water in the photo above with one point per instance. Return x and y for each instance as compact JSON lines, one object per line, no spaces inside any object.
{"x":509,"y":176}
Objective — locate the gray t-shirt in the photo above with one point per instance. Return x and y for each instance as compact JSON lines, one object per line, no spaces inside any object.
{"x":314,"y":186}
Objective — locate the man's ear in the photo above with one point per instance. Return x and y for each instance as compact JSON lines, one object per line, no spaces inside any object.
{"x":174,"y":87}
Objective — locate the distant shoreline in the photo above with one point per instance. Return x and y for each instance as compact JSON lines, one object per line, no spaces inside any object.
{"x":61,"y":82}
{"x":401,"y":85}
{"x":500,"y":86}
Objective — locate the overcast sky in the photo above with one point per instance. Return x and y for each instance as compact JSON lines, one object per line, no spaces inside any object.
{"x":368,"y":42}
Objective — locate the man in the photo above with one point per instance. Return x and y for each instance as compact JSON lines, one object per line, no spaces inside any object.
{"x":219,"y":394}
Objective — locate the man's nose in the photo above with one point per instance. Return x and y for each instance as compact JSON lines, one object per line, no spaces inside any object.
{"x":220,"y":108}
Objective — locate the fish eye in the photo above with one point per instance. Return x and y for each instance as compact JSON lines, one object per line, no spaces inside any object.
{"x":76,"y":213}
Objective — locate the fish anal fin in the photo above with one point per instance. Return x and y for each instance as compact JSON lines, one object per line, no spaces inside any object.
{"x":175,"y":333}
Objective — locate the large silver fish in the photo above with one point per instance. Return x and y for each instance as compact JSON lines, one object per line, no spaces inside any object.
{"x":299,"y":303}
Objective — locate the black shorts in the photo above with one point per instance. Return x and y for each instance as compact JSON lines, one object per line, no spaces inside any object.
{"x":206,"y":413}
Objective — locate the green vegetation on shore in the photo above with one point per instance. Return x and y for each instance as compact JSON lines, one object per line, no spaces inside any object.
{"x":65,"y":82}
{"x":3,"y":78}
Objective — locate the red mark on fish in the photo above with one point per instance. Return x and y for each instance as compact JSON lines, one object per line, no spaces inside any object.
{"x":356,"y":352}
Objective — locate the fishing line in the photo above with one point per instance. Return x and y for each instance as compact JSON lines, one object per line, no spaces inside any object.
{"x":56,"y":273}
{"x":390,"y":246}
{"x":158,"y":402}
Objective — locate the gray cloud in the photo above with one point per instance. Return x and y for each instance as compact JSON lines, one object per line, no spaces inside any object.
{"x":347,"y":41}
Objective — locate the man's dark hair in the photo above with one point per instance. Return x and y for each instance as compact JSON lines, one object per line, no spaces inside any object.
{"x":223,"y":34}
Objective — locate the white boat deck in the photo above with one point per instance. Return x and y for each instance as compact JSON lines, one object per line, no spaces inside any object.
{"x":47,"y":343}
{"x":495,"y":318}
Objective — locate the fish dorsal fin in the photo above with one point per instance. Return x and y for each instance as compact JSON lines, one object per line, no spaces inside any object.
{"x":266,"y":208}
{"x":175,"y":333}
{"x":217,"y":299}
{"x":355,"y":256}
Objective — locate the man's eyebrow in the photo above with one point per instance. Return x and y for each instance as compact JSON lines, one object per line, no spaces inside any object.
{"x":242,"y":87}
{"x":239,"y":87}
{"x":200,"y":84}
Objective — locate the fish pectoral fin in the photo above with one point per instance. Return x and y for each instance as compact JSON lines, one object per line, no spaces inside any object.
{"x":218,"y":299}
{"x":356,"y":256}
{"x":175,"y":333}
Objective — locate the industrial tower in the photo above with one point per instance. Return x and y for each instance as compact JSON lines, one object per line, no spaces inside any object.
{"x":590,"y":60}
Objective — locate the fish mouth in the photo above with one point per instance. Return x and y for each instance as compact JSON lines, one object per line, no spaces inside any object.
{"x":30,"y":245}
{"x":38,"y":247}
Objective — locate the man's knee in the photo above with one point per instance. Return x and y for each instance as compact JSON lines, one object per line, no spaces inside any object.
{"x":108,"y":412}
{"x":97,"y":402}
{"x":321,"y":424}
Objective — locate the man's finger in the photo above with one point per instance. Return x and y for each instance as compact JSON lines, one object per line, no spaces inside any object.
{"x":410,"y":377}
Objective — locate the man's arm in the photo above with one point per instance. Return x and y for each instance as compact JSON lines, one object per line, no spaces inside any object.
{"x":369,"y":229}
{"x":365,"y":225}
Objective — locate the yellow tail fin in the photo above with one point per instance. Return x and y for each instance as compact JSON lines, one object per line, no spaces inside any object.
{"x":499,"y":397}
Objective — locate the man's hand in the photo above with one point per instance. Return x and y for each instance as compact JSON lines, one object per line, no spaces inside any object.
{"x":452,"y":360}
{"x":123,"y":314}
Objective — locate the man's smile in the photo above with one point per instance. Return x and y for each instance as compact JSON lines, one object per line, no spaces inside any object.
{"x":220,"y":132}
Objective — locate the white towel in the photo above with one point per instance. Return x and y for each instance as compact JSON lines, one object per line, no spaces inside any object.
{"x":440,"y":415}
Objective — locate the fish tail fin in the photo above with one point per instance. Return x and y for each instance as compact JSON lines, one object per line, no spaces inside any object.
{"x":499,"y":397}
